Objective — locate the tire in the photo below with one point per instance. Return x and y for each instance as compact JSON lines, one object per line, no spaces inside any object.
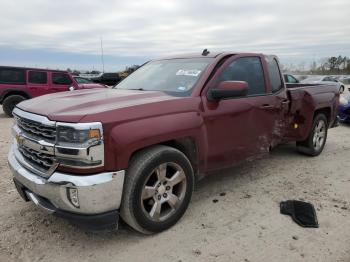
{"x":314,"y":144}
{"x":342,"y":89}
{"x":10,"y":102}
{"x":139,"y":206}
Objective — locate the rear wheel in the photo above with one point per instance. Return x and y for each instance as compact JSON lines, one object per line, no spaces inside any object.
{"x":10,"y":102}
{"x":316,"y":140}
{"x":157,"y":189}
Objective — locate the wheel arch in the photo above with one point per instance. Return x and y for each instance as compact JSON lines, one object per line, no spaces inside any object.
{"x":326,"y":111}
{"x":186,"y":145}
{"x":8,"y":93}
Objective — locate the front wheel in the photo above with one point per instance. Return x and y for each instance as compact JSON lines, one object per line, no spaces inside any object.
{"x":157,"y":190}
{"x":316,"y":140}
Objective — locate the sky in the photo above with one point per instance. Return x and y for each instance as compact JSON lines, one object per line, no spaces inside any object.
{"x":67,"y":34}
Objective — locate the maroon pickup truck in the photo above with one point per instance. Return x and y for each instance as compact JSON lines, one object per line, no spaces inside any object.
{"x":18,"y":84}
{"x":137,"y":150}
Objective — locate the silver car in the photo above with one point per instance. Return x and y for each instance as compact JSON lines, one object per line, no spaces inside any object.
{"x":329,"y":80}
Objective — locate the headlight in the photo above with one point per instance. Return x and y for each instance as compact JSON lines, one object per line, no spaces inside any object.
{"x":71,"y":135}
{"x":343,"y":101}
{"x":84,"y":134}
{"x":80,"y":145}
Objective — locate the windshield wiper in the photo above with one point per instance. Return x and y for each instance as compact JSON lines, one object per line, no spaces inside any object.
{"x":138,"y":89}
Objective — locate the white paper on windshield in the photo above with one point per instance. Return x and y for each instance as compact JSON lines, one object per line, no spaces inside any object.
{"x":193,"y":72}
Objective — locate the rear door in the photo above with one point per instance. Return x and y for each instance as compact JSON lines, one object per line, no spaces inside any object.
{"x":37,"y":82}
{"x":60,"y":81}
{"x":242,"y":127}
{"x":278,"y":99}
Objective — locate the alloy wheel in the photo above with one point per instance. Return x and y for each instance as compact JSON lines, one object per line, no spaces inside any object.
{"x":163,"y":191}
{"x":319,"y":135}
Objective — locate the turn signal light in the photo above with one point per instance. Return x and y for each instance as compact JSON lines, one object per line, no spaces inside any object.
{"x":73,"y":196}
{"x":94,"y":133}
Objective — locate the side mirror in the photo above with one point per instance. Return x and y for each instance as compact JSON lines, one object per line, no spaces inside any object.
{"x":228,"y":89}
{"x":71,"y":88}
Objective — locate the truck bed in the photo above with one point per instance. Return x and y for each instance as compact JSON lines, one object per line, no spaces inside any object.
{"x":305,"y":100}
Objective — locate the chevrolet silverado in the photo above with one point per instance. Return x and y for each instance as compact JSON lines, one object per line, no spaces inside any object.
{"x":137,"y":150}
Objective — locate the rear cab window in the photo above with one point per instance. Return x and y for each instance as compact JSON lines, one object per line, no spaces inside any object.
{"x":37,"y":77}
{"x":61,"y":79}
{"x":274,"y":74}
{"x":14,"y":76}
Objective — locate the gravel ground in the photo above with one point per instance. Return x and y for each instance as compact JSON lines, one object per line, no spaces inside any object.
{"x":234,"y":215}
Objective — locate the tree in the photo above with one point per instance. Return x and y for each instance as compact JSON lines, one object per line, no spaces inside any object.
{"x":332,"y":63}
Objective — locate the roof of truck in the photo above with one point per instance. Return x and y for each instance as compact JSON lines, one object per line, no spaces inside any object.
{"x":200,"y":55}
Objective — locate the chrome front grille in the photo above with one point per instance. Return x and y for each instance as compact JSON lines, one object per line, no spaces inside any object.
{"x":36,"y":129}
{"x":35,"y":137}
{"x":40,"y":160}
{"x":36,"y":146}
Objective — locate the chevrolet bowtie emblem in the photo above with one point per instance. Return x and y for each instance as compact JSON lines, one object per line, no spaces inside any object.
{"x":19,"y":139}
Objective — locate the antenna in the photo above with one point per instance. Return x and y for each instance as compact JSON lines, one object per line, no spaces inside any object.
{"x":103,"y":62}
{"x":205,"y":52}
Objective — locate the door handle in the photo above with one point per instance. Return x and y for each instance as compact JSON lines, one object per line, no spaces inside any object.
{"x":267,"y":107}
{"x":285,"y":102}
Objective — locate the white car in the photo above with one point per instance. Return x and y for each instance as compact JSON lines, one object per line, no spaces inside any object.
{"x":329,"y":80}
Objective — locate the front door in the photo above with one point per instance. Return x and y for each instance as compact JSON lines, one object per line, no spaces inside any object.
{"x":60,"y":82}
{"x":242,"y":127}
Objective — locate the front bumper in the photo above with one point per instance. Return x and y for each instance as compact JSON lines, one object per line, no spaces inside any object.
{"x":98,"y":194}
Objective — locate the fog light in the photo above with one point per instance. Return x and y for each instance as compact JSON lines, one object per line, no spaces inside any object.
{"x":73,"y":196}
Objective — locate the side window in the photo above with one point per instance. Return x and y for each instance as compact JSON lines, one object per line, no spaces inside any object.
{"x":61,"y":79}
{"x":248,"y":69}
{"x":37,"y":77}
{"x":275,"y":75}
{"x":12,"y":76}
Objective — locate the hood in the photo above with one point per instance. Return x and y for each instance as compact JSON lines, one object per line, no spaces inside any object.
{"x":74,"y":106}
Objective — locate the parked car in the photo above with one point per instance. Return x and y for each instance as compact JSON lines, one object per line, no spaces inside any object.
{"x":138,"y":149}
{"x":18,"y":84}
{"x":109,"y":79}
{"x":345,"y":80}
{"x":329,"y":80}
{"x":344,"y":109}
{"x":288,"y":78}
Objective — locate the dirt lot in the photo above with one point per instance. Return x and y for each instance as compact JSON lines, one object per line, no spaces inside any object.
{"x":234,"y":215}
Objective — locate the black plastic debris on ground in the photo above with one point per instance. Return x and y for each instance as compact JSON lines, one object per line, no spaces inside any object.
{"x":302,"y":213}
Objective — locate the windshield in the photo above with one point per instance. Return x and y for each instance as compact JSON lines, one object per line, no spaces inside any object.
{"x":176,"y":76}
{"x":81,"y":80}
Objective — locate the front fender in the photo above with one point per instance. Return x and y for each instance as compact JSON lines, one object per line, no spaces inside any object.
{"x":126,"y":138}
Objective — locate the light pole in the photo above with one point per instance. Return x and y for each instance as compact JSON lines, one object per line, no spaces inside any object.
{"x":102,"y":59}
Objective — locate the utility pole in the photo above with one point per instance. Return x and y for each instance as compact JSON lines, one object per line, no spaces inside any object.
{"x":103,"y":62}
